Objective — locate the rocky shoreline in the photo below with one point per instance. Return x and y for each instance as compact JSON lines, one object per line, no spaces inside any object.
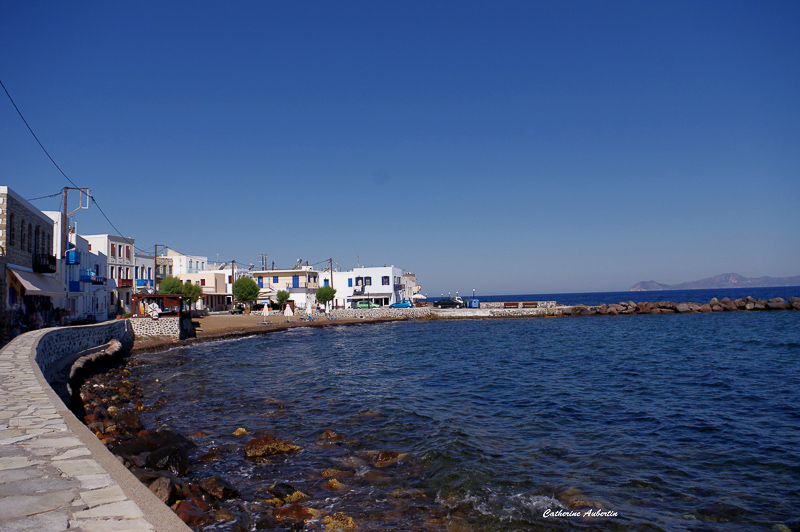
{"x":668,"y":307}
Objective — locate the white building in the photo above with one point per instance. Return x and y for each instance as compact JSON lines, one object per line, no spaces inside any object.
{"x":301,"y":282}
{"x":382,"y":285}
{"x":182,"y":263}
{"x":83,"y":274}
{"x":144,"y":271}
{"x":120,"y":256}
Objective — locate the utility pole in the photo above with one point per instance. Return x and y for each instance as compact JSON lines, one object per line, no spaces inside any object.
{"x":263,"y":260}
{"x":233,"y":278}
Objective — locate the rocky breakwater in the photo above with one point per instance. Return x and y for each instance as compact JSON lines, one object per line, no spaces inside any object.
{"x":668,"y":307}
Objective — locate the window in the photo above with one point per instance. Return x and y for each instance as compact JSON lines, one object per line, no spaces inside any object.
{"x":90,"y":247}
{"x":359,"y":281}
{"x":385,"y":280}
{"x":202,"y":282}
{"x":136,"y":272}
{"x":22,"y":236}
{"x":30,"y":238}
{"x":275,"y":278}
{"x":37,"y":245}
{"x":260,"y":282}
{"x":170,"y":269}
{"x":113,"y":250}
{"x":128,"y":252}
{"x":350,"y":282}
{"x":127,"y":273}
{"x":367,"y":281}
{"x":12,"y":231}
{"x":326,"y":282}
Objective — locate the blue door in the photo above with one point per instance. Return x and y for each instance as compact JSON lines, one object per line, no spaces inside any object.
{"x":295,"y":281}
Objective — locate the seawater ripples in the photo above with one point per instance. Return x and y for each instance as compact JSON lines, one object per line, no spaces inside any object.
{"x":674,"y":422}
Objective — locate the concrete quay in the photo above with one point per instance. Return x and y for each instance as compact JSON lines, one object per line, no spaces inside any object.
{"x":54,"y":473}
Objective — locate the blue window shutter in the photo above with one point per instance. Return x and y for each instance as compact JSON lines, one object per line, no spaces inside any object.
{"x":350,"y":283}
{"x":261,"y":282}
{"x":275,"y":279}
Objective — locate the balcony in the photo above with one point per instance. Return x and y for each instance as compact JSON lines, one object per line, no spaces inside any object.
{"x":75,"y":286}
{"x":398,"y":287}
{"x":73,"y":257}
{"x":86,"y":276}
{"x":44,"y":263}
{"x":99,"y":280}
{"x":144,"y":283}
{"x":124,"y":283}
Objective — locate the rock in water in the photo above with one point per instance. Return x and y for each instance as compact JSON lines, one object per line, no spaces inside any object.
{"x":268,"y":445}
{"x":219,"y":488}
{"x":173,"y":458}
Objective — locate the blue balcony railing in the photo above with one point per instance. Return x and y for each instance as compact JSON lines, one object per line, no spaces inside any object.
{"x":144,"y":283}
{"x":86,"y":276}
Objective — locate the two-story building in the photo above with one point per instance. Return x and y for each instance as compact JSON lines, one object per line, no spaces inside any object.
{"x":144,"y":271}
{"x":82,"y":272}
{"x":27,"y":263}
{"x":382,"y":285}
{"x":214,"y":297}
{"x":301,"y":282}
{"x":121,"y":261}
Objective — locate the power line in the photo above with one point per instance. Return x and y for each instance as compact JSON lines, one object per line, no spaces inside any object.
{"x":43,"y":197}
{"x":34,"y":136}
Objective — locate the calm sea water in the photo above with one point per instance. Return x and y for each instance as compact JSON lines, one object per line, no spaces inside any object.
{"x":674,"y":422}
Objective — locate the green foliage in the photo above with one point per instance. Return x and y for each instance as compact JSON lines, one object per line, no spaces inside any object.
{"x":282,"y":296}
{"x":245,"y":290}
{"x":192,"y":291}
{"x":325,"y":294}
{"x":170,"y":285}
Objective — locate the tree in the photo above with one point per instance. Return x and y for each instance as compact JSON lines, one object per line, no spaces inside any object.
{"x":192,"y":291}
{"x":245,"y":290}
{"x":325,"y":294}
{"x":282,"y":296}
{"x":170,"y":285}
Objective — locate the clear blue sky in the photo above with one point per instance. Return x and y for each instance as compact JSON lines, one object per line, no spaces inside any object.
{"x":509,"y":147}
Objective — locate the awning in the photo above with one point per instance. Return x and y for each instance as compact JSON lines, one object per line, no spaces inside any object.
{"x":36,"y":284}
{"x":371,"y":295}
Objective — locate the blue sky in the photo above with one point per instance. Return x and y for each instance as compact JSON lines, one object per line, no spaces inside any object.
{"x":507,"y":147}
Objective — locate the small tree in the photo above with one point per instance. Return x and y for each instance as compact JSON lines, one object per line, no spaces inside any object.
{"x":170,"y":285}
{"x":245,"y":290}
{"x":325,"y":294}
{"x":192,"y":291}
{"x":282,"y":296}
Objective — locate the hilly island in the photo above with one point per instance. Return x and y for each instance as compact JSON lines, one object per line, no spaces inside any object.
{"x":725,"y":280}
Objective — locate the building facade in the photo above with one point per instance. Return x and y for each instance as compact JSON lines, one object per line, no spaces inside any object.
{"x":27,"y":262}
{"x":301,"y":282}
{"x":121,"y":261}
{"x":82,"y":273}
{"x":381,"y":285}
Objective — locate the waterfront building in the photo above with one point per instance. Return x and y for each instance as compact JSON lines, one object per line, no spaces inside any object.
{"x":27,"y":263}
{"x":382,"y":285}
{"x":300,"y":281}
{"x":120,"y":256}
{"x":83,"y":274}
{"x":215,"y":296}
{"x":144,"y":273}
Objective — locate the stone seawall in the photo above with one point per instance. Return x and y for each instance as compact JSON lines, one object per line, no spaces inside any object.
{"x":54,"y":473}
{"x":668,"y":307}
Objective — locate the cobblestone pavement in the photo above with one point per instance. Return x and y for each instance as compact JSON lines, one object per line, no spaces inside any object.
{"x":51,"y":477}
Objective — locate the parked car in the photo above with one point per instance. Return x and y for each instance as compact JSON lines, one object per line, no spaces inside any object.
{"x":448,"y":303}
{"x":366,"y":304}
{"x":238,"y":309}
{"x":405,"y":303}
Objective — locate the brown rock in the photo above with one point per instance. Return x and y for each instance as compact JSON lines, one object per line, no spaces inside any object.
{"x":333,"y":484}
{"x":267,"y":446}
{"x":295,"y":512}
{"x":644,"y":307}
{"x":223,"y":514}
{"x":164,"y":489}
{"x":219,"y":488}
{"x":191,"y":514}
{"x":330,"y":435}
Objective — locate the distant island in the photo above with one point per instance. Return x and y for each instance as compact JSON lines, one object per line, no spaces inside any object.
{"x":725,"y":280}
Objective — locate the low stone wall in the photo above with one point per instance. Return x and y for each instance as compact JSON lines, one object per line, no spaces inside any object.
{"x":166,"y":326}
{"x":407,"y":313}
{"x":62,"y":342}
{"x":519,"y":304}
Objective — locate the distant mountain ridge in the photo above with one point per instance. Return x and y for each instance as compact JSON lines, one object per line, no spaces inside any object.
{"x":725,"y":280}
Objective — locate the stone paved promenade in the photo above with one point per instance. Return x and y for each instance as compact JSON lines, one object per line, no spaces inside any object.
{"x":54,"y":473}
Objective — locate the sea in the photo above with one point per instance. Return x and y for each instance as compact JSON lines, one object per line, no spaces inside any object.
{"x":641,"y":422}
